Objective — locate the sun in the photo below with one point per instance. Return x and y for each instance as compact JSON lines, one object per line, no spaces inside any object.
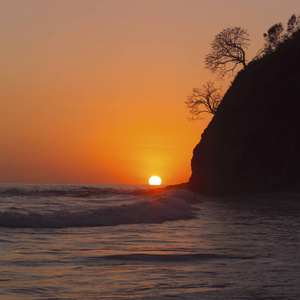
{"x":155,"y":180}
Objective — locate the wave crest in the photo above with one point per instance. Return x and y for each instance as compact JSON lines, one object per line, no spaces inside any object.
{"x":166,"y":208}
{"x":70,"y":191}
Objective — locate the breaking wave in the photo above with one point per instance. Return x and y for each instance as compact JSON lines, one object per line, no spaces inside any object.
{"x":167,"y":207}
{"x":68,"y":191}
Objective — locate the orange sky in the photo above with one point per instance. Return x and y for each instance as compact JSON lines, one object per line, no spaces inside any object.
{"x":93,"y":91}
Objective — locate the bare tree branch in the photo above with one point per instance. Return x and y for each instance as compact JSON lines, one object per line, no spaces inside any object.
{"x":204,"y":100}
{"x":227,"y":48}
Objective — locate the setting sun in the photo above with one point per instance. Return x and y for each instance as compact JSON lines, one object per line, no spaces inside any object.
{"x":155,"y":180}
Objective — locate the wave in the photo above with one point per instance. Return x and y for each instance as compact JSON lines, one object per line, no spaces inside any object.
{"x":153,"y":210}
{"x":70,"y":191}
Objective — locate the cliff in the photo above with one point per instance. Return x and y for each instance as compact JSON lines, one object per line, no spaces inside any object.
{"x":252,"y":144}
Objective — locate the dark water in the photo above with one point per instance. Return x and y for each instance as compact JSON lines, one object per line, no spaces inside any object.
{"x":126,"y":242}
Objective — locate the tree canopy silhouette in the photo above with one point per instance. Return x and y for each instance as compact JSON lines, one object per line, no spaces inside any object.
{"x":276,"y":34}
{"x":273,"y":38}
{"x":293,"y":25}
{"x":205,"y":99}
{"x":228,"y":50}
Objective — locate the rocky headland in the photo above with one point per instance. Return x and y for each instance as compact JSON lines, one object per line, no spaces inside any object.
{"x":252,"y":144}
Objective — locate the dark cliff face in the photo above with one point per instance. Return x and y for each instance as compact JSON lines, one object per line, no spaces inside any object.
{"x":252,"y":144}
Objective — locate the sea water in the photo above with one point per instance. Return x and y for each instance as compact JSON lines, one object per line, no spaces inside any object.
{"x":132,"y":242}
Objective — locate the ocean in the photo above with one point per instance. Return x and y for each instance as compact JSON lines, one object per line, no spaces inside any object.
{"x":137,"y":242}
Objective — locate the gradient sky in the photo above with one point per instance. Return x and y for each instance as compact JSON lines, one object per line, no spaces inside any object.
{"x":93,"y":91}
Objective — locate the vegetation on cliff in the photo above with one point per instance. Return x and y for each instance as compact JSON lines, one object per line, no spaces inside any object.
{"x":252,"y":143}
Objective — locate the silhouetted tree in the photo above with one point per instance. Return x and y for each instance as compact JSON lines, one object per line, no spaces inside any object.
{"x":204,"y":100}
{"x":293,"y":25}
{"x":273,"y":38}
{"x":276,"y":34}
{"x":227,"y":50}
